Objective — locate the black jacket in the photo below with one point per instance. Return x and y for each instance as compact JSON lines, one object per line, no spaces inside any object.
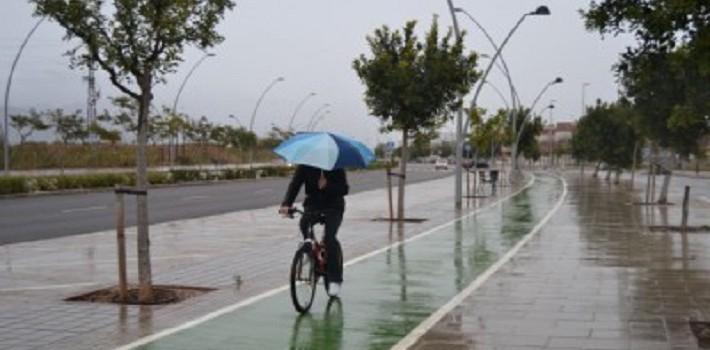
{"x":330,"y":197}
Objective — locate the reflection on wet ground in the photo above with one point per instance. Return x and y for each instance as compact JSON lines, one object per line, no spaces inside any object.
{"x":595,"y":278}
{"x":385,"y":296}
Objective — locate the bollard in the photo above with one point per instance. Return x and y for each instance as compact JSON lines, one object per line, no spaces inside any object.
{"x":389,"y":191}
{"x":686,"y":195}
{"x":121,"y":245}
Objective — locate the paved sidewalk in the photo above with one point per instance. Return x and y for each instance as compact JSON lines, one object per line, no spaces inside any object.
{"x":253,"y":246}
{"x":593,"y":278}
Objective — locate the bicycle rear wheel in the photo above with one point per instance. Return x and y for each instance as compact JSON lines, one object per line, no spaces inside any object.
{"x":303,"y":280}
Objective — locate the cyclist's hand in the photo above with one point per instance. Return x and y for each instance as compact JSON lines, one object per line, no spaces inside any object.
{"x":284,"y":210}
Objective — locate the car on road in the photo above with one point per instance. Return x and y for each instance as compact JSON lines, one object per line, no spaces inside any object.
{"x":442,"y":164}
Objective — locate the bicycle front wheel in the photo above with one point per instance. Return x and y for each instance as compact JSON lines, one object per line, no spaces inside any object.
{"x":303,"y":280}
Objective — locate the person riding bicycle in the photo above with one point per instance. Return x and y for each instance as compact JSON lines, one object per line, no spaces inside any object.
{"x":324,"y":194}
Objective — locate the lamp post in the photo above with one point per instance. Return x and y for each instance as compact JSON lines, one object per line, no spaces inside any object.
{"x":189,"y":74}
{"x":584,"y":103}
{"x":315,"y":114}
{"x":253,"y":115}
{"x":298,"y":107}
{"x":173,"y":149}
{"x":6,"y":140}
{"x":504,"y":69}
{"x":514,"y":148}
{"x":322,"y":116}
{"x":460,"y":129}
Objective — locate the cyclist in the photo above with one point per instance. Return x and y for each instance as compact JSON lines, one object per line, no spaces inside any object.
{"x":324,"y":193}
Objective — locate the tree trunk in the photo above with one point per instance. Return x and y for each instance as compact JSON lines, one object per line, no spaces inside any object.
{"x":608,"y":174}
{"x":617,"y":175}
{"x":596,"y":170}
{"x":633,"y":166}
{"x":145,"y":292}
{"x":663,"y":197}
{"x":402,"y":174}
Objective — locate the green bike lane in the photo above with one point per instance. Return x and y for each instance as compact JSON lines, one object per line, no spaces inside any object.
{"x":385,"y":295}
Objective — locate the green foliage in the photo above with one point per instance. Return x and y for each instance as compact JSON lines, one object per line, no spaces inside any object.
{"x":135,"y":40}
{"x":12,"y":184}
{"x":421,"y":145}
{"x":667,"y":74}
{"x":68,"y":127}
{"x":491,"y":134}
{"x":606,"y":134}
{"x":531,"y":127}
{"x":410,"y":85}
{"x":27,"y":124}
{"x":16,"y":184}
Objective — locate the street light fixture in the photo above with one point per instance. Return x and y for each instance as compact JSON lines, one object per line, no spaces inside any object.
{"x":298,"y":107}
{"x":253,"y":115}
{"x":6,"y":140}
{"x":584,"y":103}
{"x":189,"y":74}
{"x":315,"y":114}
{"x":514,"y":150}
{"x":461,"y":129}
{"x":320,"y":118}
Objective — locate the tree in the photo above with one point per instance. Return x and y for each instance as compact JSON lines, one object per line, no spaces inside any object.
{"x":68,"y":127}
{"x":530,"y":127}
{"x":667,"y":74}
{"x":421,"y":144}
{"x":412,"y":85}
{"x":137,"y":43}
{"x":607,"y":134}
{"x":28,"y":124}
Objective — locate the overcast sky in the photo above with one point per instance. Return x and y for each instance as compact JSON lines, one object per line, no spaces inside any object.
{"x":312,"y":44}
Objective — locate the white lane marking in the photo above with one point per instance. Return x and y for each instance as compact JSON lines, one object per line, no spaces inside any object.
{"x":194,"y":198}
{"x":256,"y":298}
{"x":74,"y":210}
{"x":45,"y":287}
{"x":109,"y":261}
{"x":425,"y":326}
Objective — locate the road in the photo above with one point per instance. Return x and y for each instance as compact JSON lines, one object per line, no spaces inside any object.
{"x":43,"y":217}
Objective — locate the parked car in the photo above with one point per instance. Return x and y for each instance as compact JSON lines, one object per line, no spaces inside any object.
{"x":441,"y":164}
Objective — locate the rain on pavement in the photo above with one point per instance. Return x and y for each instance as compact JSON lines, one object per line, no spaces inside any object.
{"x":386,"y":295}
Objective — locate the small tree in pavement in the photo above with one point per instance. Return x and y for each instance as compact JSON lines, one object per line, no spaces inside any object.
{"x":137,"y":43}
{"x":411,"y":85}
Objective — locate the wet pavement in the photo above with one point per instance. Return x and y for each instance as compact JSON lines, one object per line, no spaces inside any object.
{"x":254,"y":247}
{"x":386,"y":295}
{"x":592,"y":277}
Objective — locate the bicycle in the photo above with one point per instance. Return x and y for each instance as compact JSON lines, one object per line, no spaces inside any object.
{"x":309,"y":264}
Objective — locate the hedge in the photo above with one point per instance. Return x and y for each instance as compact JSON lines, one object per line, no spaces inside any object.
{"x":22,"y":184}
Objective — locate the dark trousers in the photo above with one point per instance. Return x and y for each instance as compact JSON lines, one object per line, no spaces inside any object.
{"x":333,"y":219}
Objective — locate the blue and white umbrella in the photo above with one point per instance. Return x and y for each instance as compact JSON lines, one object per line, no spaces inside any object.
{"x":325,"y":150}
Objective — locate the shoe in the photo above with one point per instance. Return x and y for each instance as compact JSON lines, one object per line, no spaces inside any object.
{"x":333,"y":289}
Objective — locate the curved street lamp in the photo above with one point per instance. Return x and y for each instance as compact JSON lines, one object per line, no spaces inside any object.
{"x":514,"y":150}
{"x":461,"y":129}
{"x":6,"y":140}
{"x":320,"y":119}
{"x":504,"y":69}
{"x":253,"y":115}
{"x":189,"y":74}
{"x":584,"y":103}
{"x":315,"y":114}
{"x":172,"y":151}
{"x":298,"y":107}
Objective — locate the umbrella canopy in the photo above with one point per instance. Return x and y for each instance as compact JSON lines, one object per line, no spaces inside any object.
{"x":325,"y":150}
